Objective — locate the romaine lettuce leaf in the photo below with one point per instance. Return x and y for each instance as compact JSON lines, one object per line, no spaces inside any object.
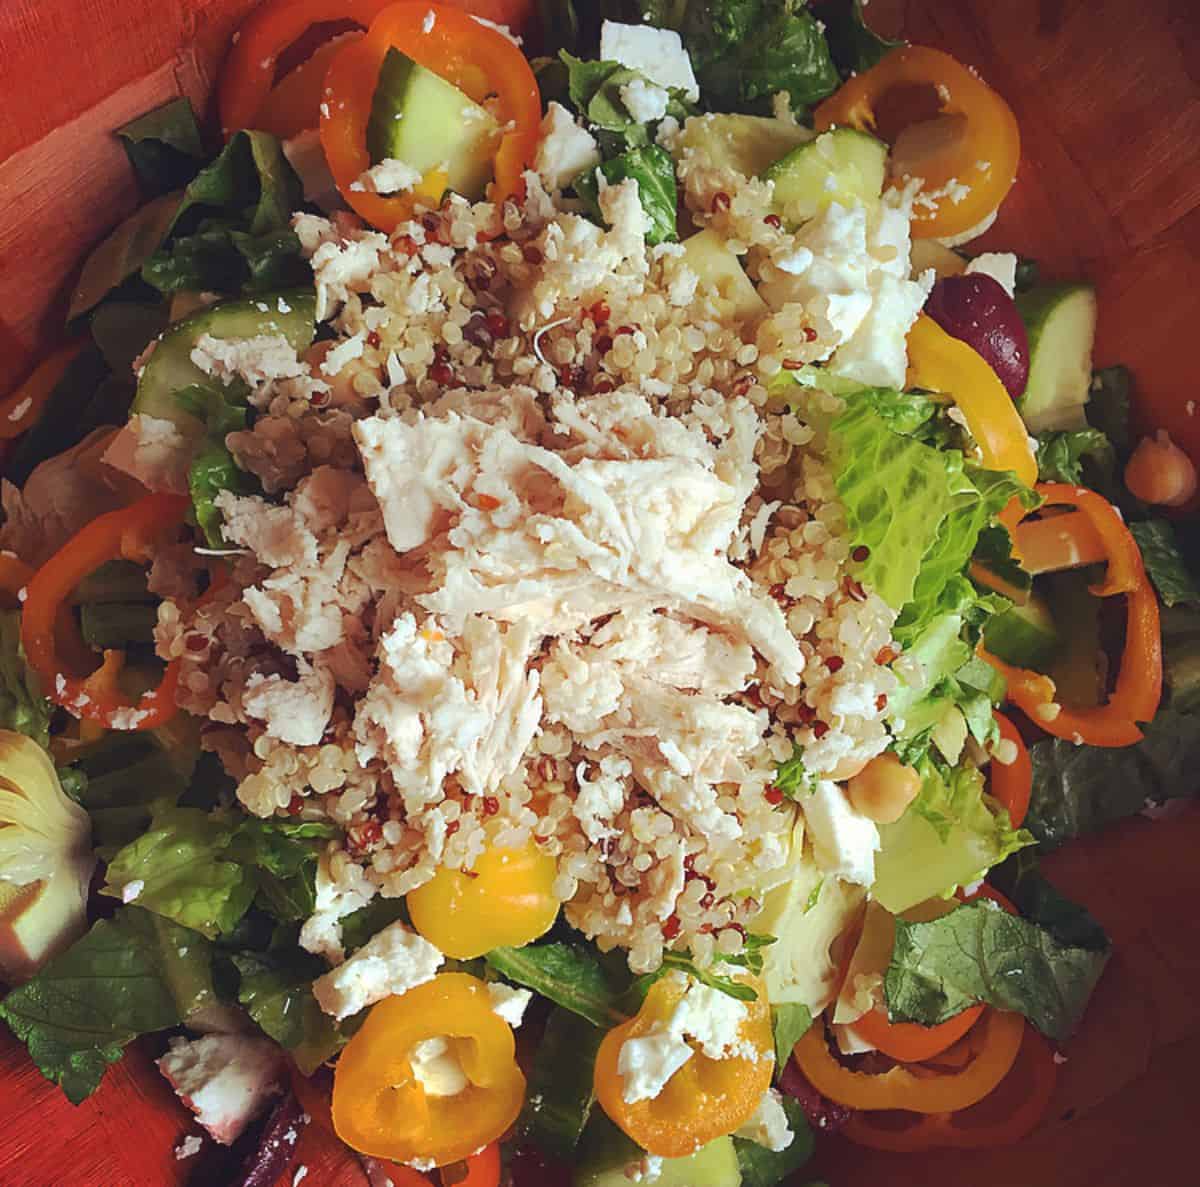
{"x":950,"y":836}
{"x":1164,"y":561}
{"x":789,"y":1022}
{"x":654,"y":171}
{"x":164,"y":147}
{"x":980,"y":953}
{"x":1064,"y":456}
{"x":568,"y":974}
{"x":594,"y":88}
{"x":561,"y":1093}
{"x":130,"y":975}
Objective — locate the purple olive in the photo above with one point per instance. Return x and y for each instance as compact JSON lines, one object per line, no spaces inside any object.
{"x":975,"y":309}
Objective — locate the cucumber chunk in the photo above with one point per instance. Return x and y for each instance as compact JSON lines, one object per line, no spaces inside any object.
{"x":419,"y":118}
{"x":1061,"y":323}
{"x":843,"y":165}
{"x":170,"y":368}
{"x":606,"y":1154}
{"x":747,"y":144}
{"x":1024,"y":636}
{"x":708,"y":255}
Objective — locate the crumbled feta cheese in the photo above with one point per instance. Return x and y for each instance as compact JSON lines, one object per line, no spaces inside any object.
{"x":647,"y":1169}
{"x":226,"y":1080}
{"x":644,"y":101}
{"x":656,"y":53}
{"x":436,"y":1066}
{"x":391,"y":963}
{"x":713,"y":1020}
{"x":344,"y":353}
{"x":509,"y":1002}
{"x":257,"y":360}
{"x":503,"y":30}
{"x":844,"y":840}
{"x":768,"y":1124}
{"x":131,"y":890}
{"x":565,"y":150}
{"x":388,"y":177}
{"x":189,"y":1146}
{"x":1001,"y":266}
{"x":300,"y":1175}
{"x":646,"y":1064}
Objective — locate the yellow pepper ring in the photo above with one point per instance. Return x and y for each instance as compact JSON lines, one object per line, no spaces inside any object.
{"x":970,"y":153}
{"x":380,"y":1107}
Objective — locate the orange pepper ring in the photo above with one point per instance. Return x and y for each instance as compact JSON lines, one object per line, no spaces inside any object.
{"x":985,"y":161}
{"x":478,"y":60}
{"x":122,"y":533}
{"x":910,"y":1042}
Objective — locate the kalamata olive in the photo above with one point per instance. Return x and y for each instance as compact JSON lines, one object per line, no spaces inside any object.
{"x":975,"y":309}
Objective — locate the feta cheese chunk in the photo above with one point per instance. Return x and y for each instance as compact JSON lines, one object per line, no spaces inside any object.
{"x":226,"y":1080}
{"x":393,"y":962}
{"x":646,"y":1064}
{"x":1001,"y":266}
{"x":390,"y":176}
{"x":713,"y":1020}
{"x":565,"y":150}
{"x":508,"y":1002}
{"x":768,"y":1124}
{"x":436,"y":1066}
{"x":844,"y":840}
{"x":656,"y":53}
{"x":644,"y":101}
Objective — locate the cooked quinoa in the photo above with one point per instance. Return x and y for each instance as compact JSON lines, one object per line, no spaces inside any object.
{"x":541,"y":556}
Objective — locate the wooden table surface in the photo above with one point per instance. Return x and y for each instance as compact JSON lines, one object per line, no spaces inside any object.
{"x":1107,"y":94}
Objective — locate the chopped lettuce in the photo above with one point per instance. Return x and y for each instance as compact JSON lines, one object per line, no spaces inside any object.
{"x":1081,"y":789}
{"x":164,"y":147}
{"x":1165,"y":563}
{"x":792,"y":777}
{"x":568,"y":974}
{"x":22,"y":706}
{"x":130,"y":975}
{"x":561,"y":1093}
{"x":1066,"y":456}
{"x":231,"y":231}
{"x":594,"y":89}
{"x":950,"y":836}
{"x":1109,"y":403}
{"x":980,"y":953}
{"x":654,"y":171}
{"x":790,"y":1022}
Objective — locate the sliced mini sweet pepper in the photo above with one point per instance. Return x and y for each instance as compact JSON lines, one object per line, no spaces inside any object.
{"x":965,"y":158}
{"x":505,"y":901}
{"x":1012,"y":782}
{"x":706,"y":1098}
{"x":382,"y":1108}
{"x":909,"y":1042}
{"x":249,"y":71}
{"x":479,"y":60}
{"x":20,"y":409}
{"x":975,"y":1065}
{"x":126,"y":534}
{"x":1138,"y":687}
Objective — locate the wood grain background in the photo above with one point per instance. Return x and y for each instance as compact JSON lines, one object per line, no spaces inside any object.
{"x":1107,"y":94}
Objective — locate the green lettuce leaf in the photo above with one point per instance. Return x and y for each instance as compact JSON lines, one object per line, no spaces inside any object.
{"x":761,"y":1167}
{"x":1108,"y":406}
{"x":1065,"y":456}
{"x":1021,"y":881}
{"x":561,"y":1093}
{"x":854,"y":46}
{"x":594,"y":88}
{"x":950,"y":836}
{"x":22,"y":706}
{"x":568,"y":974}
{"x":359,"y":926}
{"x":654,"y":171}
{"x":164,"y":147}
{"x":790,"y":1022}
{"x":980,"y":953}
{"x":1165,"y":563}
{"x":792,"y":778}
{"x":130,"y":975}
{"x":275,"y":987}
{"x":1081,"y":789}
{"x":284,"y":855}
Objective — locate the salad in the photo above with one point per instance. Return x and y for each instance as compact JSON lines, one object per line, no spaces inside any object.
{"x":554,"y":600}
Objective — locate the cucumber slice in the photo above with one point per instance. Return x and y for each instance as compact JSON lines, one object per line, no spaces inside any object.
{"x":1024,"y":636}
{"x":419,"y":118}
{"x":1061,"y":323}
{"x":843,"y":165}
{"x":170,"y":367}
{"x":747,"y":144}
{"x":708,"y":255}
{"x":606,"y":1154}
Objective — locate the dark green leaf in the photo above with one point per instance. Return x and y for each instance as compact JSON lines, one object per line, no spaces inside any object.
{"x":1164,"y":560}
{"x":853,"y":45}
{"x":761,"y":1167}
{"x":123,"y":329}
{"x":560,"y":1097}
{"x":654,"y":171}
{"x":118,"y":624}
{"x":130,"y":975}
{"x":1038,"y":900}
{"x":1029,"y":274}
{"x":559,"y":25}
{"x":359,"y":926}
{"x":276,"y":989}
{"x":284,"y":854}
{"x":164,"y":147}
{"x":568,"y":974}
{"x":1081,"y":789}
{"x":22,"y":706}
{"x":791,"y":778}
{"x":979,"y":952}
{"x":1062,"y":457}
{"x":1109,"y":404}
{"x":790,"y":1021}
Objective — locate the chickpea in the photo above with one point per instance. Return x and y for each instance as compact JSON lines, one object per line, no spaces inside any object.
{"x":1160,"y":472}
{"x":883,"y":789}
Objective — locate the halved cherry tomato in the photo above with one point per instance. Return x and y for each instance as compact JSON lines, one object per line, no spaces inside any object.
{"x":127,"y":533}
{"x":381,"y":1108}
{"x":506,"y":900}
{"x":480,"y":61}
{"x":1012,"y":783}
{"x":706,"y":1098}
{"x":965,"y":158}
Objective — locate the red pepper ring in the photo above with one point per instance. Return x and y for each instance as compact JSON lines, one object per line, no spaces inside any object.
{"x":1139,"y":681}
{"x":123,"y":534}
{"x":249,"y":70}
{"x":1012,"y":783}
{"x":478,"y":60}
